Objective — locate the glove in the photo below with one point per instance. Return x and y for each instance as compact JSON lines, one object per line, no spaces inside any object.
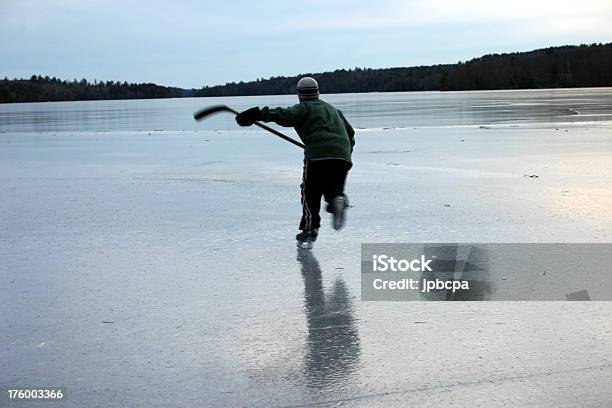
{"x":248,"y":117}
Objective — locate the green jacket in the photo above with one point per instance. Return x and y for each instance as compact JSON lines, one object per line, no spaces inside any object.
{"x":324,"y":130}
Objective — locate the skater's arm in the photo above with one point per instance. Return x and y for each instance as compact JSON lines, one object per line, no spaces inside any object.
{"x":289,"y":117}
{"x":349,"y":130}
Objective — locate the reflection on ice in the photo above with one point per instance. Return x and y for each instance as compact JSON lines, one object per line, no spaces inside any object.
{"x":332,"y":344}
{"x":449,"y":264}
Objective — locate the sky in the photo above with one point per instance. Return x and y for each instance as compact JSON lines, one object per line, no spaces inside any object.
{"x":194,"y":43}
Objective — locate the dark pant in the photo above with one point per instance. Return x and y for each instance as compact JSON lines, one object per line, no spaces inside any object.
{"x":320,"y":178}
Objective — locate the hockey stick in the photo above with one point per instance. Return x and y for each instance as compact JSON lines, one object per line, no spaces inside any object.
{"x":202,"y":114}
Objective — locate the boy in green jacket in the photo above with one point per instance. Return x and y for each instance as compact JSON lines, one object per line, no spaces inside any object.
{"x":328,"y":140}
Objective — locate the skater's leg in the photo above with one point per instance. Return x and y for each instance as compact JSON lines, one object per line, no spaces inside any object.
{"x":335,"y":180}
{"x":336,"y":171}
{"x":311,"y":197}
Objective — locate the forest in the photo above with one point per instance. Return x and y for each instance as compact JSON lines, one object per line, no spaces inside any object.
{"x":553,"y":67}
{"x":45,"y":89}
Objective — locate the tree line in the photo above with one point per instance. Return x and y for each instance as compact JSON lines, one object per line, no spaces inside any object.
{"x":43,"y":89}
{"x":553,"y":67}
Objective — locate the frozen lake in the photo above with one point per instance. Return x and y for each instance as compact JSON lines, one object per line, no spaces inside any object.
{"x":148,"y":260}
{"x":370,"y":110}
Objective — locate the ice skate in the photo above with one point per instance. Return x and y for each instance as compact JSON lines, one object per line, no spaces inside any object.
{"x":338,"y":209}
{"x":306,"y":239}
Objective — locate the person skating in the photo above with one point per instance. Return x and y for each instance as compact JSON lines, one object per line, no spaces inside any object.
{"x":329,"y":140}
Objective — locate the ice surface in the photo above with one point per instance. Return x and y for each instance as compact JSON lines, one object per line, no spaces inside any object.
{"x":149,"y":262}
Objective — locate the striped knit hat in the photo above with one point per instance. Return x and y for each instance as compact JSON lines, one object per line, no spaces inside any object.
{"x":308,"y":88}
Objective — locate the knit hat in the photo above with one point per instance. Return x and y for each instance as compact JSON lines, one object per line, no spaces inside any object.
{"x":308,"y":88}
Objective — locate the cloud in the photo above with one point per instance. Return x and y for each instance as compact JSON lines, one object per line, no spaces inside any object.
{"x":536,"y":16}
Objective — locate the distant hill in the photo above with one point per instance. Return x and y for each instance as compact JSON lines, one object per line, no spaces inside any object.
{"x":554,"y":67}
